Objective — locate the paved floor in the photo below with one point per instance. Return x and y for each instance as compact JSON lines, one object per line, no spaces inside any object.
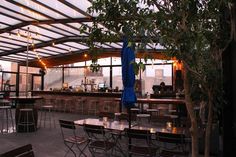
{"x":47,"y":142}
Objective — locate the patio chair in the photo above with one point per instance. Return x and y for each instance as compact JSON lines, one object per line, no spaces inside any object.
{"x":23,"y":151}
{"x":71,"y":139}
{"x":99,"y":140}
{"x":109,"y":115}
{"x":172,"y":145}
{"x":137,"y":146}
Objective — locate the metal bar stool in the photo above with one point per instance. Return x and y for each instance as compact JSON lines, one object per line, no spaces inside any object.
{"x":6,"y":117}
{"x":79,"y":106}
{"x":107,"y":105}
{"x":46,"y":112}
{"x":92,"y":107}
{"x":26,"y":119}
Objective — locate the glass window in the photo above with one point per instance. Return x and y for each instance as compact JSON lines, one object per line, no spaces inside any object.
{"x":155,"y":74}
{"x":5,"y":66}
{"x":22,"y":83}
{"x":37,"y":82}
{"x":100,"y":77}
{"x":53,"y":79}
{"x":73,"y":76}
{"x":104,"y":61}
{"x":117,"y":78}
{"x":79,"y":64}
{"x":116,"y":61}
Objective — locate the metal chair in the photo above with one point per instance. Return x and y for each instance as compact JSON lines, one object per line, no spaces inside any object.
{"x":99,"y":141}
{"x":6,"y":115}
{"x":109,"y":115}
{"x":172,"y":145}
{"x":137,"y":146}
{"x":23,"y":151}
{"x":71,"y":139}
{"x":48,"y":113}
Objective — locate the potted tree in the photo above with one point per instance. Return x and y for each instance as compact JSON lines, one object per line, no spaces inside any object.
{"x":190,"y":30}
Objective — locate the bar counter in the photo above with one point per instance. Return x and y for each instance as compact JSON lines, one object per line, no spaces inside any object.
{"x":80,"y":102}
{"x":86,"y":94}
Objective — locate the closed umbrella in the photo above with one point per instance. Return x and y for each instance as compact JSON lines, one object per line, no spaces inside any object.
{"x":128,"y":77}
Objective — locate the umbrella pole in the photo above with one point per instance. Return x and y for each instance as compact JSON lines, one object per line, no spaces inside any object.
{"x":129,"y":113}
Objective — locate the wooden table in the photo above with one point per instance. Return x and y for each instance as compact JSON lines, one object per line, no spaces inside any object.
{"x":155,"y":101}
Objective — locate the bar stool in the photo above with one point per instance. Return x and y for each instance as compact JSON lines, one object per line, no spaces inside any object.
{"x":26,"y":119}
{"x":142,"y":117}
{"x":6,"y":117}
{"x":107,"y":105}
{"x":80,"y":105}
{"x":153,"y":112}
{"x":92,"y":107}
{"x":47,"y":110}
{"x":134,"y":112}
{"x":67,"y":105}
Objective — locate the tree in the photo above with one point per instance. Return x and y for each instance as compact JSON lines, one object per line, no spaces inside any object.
{"x":190,"y":30}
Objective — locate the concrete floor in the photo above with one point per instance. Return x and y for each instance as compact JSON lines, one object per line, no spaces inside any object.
{"x":46,"y":142}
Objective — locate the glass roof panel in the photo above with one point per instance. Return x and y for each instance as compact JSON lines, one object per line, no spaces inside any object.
{"x":15,"y":15}
{"x":9,"y":45}
{"x":22,"y":10}
{"x":41,"y":8}
{"x":114,"y":45}
{"x":17,"y":38}
{"x":38,"y":53}
{"x":12,"y":41}
{"x":69,"y":29}
{"x":103,"y":45}
{"x":83,"y":5}
{"x":8,"y":20}
{"x":46,"y":51}
{"x":3,"y":26}
{"x":14,"y":58}
{"x":58,"y":30}
{"x":66,"y":47}
{"x":19,"y":56}
{"x":43,"y":31}
{"x":80,"y":46}
{"x":61,"y":7}
{"x":30,"y":55}
{"x":55,"y":49}
{"x":77,"y":25}
{"x":4,"y":48}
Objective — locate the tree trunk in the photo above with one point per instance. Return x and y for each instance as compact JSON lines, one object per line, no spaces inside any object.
{"x":190,"y":109}
{"x":209,"y":125}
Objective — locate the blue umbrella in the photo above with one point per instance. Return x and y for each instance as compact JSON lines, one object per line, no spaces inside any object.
{"x":128,"y":77}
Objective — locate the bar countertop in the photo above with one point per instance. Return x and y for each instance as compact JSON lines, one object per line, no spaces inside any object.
{"x":93,"y":94}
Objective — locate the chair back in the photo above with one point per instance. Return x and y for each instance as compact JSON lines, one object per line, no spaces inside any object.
{"x":170,"y":138}
{"x":23,"y":151}
{"x":109,"y":115}
{"x":67,"y":124}
{"x":94,"y":129}
{"x":67,"y":129}
{"x":123,"y":117}
{"x":138,"y":134}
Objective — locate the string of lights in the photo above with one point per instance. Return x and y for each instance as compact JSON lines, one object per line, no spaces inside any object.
{"x":29,"y":36}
